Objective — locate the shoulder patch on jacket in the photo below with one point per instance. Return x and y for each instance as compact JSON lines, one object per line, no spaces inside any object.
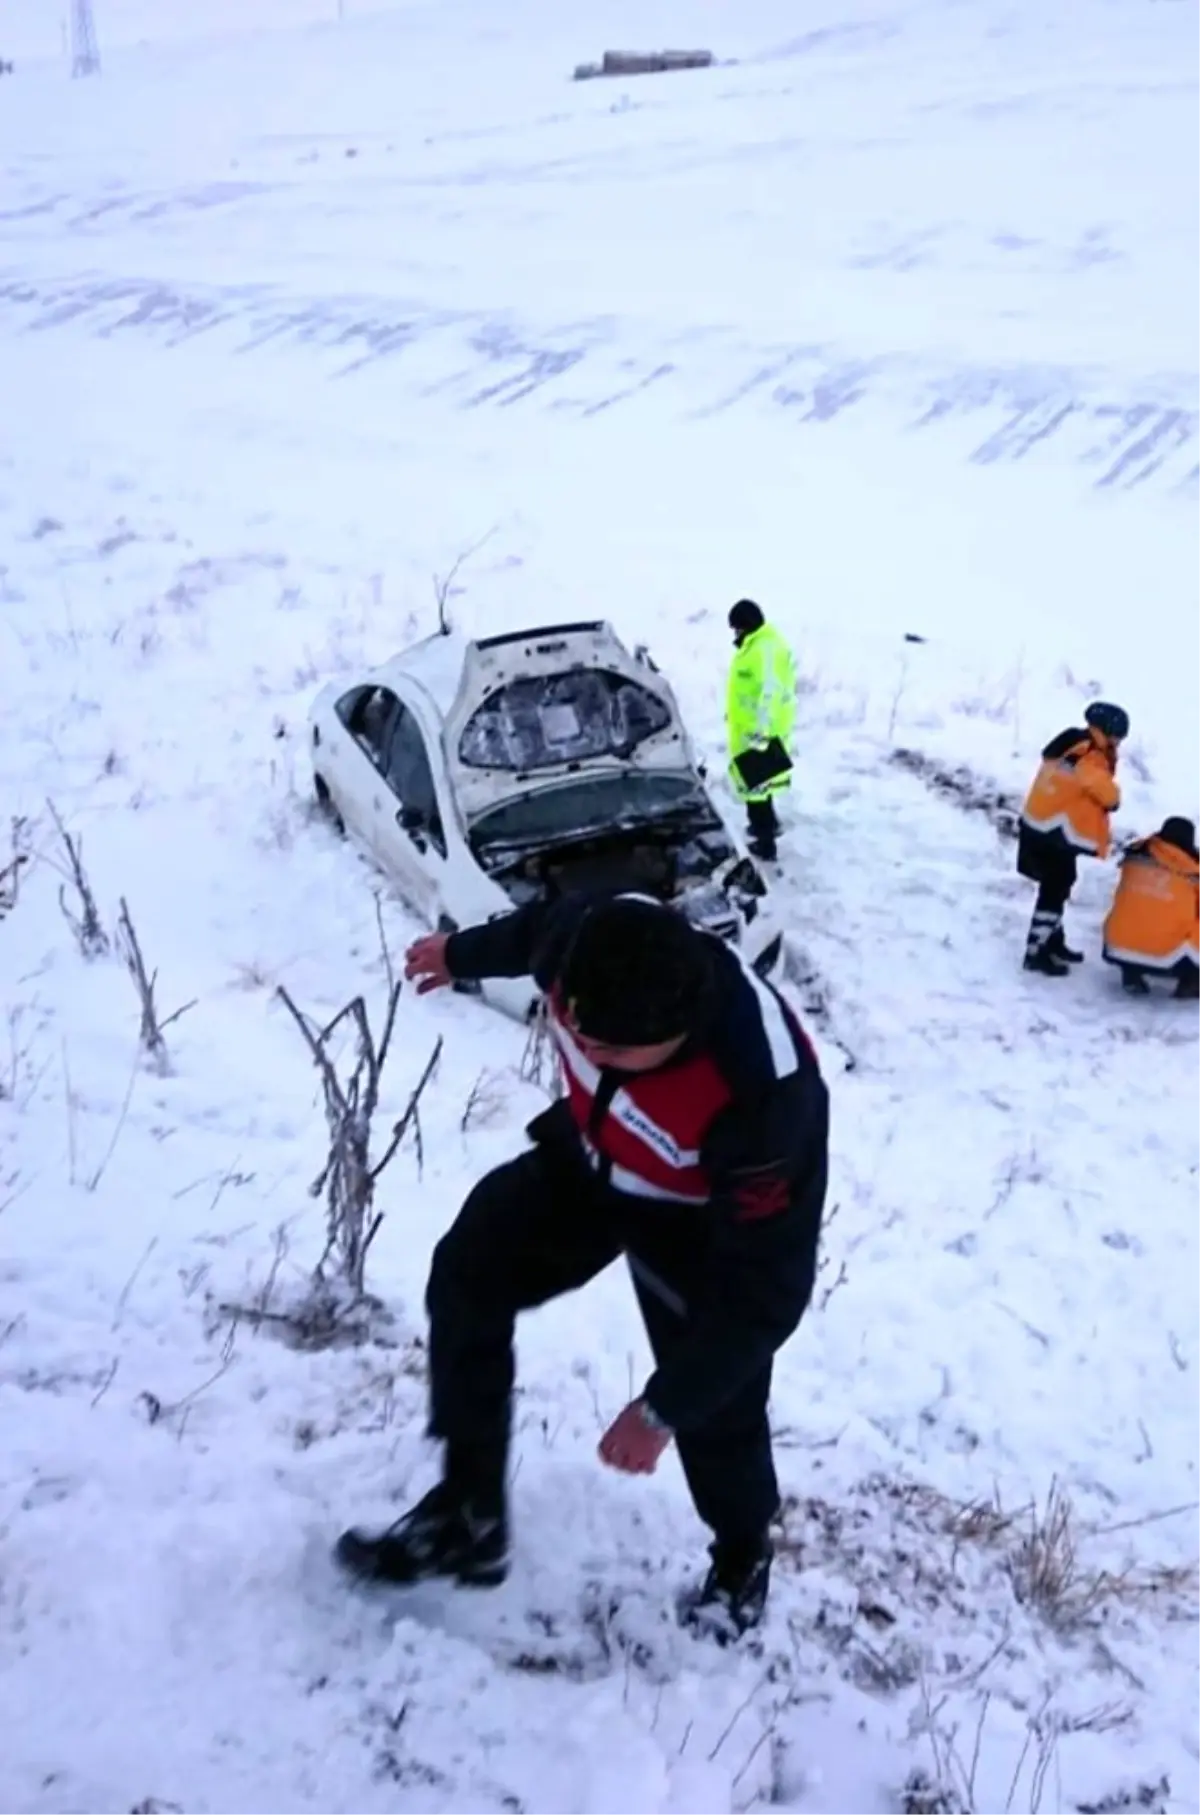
{"x":761,"y":1194}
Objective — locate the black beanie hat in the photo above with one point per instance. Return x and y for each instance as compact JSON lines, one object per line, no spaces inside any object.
{"x":636,"y":973}
{"x":1179,"y":832}
{"x":1112,"y":720}
{"x":745,"y":617}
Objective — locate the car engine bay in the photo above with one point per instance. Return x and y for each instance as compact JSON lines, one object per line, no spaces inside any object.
{"x":694,"y":866}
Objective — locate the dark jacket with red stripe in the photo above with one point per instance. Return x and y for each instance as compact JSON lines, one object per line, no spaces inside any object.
{"x":713,"y":1166}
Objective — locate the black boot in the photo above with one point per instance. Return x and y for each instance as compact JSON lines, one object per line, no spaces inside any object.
{"x":443,"y":1535}
{"x":733,"y":1596}
{"x":1133,"y":981}
{"x":1046,"y":962}
{"x":1187,"y":989}
{"x":1040,"y":953}
{"x":1060,"y":949}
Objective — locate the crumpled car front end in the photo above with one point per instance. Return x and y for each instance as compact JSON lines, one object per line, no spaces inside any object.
{"x":685,"y":856}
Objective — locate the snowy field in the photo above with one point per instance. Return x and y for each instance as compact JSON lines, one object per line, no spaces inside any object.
{"x":887,"y":321}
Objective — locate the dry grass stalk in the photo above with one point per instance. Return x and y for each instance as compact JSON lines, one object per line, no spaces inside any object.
{"x":176,"y":1413}
{"x":1042,"y":1549}
{"x":10,"y":874}
{"x":444,"y":588}
{"x":842,"y":1277}
{"x":84,"y":921}
{"x":152,"y":1025}
{"x":1044,"y":1567}
{"x":485,"y":1101}
{"x":982,"y":1521}
{"x":1045,"y":1564}
{"x":539,"y":1061}
{"x":349,"y":1176}
{"x":952,"y":1787}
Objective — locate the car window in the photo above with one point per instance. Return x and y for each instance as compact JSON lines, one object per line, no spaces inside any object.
{"x":561,"y":718}
{"x":410,"y":776}
{"x":367,"y":714}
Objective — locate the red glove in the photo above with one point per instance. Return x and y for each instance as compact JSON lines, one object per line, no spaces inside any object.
{"x":425,"y":963}
{"x":635,"y":1441}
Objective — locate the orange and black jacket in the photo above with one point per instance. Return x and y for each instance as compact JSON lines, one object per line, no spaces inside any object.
{"x":1155,"y":915}
{"x":1075,"y":792}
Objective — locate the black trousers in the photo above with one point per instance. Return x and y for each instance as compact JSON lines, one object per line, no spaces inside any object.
{"x":762,"y":819}
{"x":1054,"y":889}
{"x":530,"y":1231}
{"x":1054,"y":867}
{"x":1051,"y":865}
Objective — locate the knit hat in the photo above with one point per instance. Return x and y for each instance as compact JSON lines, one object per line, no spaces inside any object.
{"x":1112,"y":720}
{"x":745,"y":617}
{"x":636,"y":973}
{"x":1181,"y":833}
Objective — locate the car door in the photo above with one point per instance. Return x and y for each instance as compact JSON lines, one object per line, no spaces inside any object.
{"x":357,"y":756}
{"x":410,"y":836}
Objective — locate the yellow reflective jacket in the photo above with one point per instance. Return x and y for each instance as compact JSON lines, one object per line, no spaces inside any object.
{"x":761,"y":699}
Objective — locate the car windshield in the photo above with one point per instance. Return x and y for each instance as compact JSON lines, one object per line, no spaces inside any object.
{"x":549,"y":719}
{"x":603,"y":803}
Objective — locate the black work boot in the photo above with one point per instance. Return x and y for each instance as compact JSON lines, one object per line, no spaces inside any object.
{"x":1133,"y":981}
{"x":733,"y":1596}
{"x":443,"y":1535}
{"x":1187,"y":989}
{"x":1040,"y":946}
{"x":765,"y":849}
{"x":1060,"y":949}
{"x":1046,"y":962}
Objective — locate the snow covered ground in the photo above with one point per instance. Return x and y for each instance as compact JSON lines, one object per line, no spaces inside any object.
{"x":887,"y":321}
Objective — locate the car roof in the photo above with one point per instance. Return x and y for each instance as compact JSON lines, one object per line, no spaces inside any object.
{"x":435,"y":663}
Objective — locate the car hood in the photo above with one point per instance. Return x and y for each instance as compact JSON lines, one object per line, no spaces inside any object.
{"x":495,"y":663}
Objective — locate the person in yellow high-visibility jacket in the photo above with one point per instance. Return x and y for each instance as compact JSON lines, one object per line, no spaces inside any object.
{"x":760,"y":715}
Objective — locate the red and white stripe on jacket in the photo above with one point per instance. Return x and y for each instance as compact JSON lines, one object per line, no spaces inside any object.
{"x":650,"y":1141}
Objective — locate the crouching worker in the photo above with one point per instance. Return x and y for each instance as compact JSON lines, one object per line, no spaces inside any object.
{"x":691,"y":1138}
{"x":1066,"y":815}
{"x":1152,"y":924}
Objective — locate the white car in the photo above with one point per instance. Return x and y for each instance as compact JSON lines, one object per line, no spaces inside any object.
{"x":485,"y":774}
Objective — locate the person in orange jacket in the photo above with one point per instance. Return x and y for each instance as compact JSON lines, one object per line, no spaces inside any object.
{"x":1153,"y":924}
{"x":1066,"y":814}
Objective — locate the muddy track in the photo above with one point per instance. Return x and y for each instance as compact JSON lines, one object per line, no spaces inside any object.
{"x":963,"y":789}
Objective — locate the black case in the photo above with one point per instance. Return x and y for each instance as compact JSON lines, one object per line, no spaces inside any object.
{"x":758,"y":767}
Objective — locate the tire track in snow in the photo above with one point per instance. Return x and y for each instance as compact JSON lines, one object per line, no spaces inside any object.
{"x":585,"y":368}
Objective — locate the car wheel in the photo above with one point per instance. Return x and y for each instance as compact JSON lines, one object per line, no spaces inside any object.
{"x":768,"y":958}
{"x":326,"y":807}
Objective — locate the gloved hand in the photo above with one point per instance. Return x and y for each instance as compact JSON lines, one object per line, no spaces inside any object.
{"x":635,"y":1440}
{"x":425,"y":963}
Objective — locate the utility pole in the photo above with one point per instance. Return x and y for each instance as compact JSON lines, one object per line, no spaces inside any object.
{"x":85,"y":56}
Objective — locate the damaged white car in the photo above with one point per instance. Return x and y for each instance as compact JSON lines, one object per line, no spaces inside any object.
{"x":484,"y":774}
